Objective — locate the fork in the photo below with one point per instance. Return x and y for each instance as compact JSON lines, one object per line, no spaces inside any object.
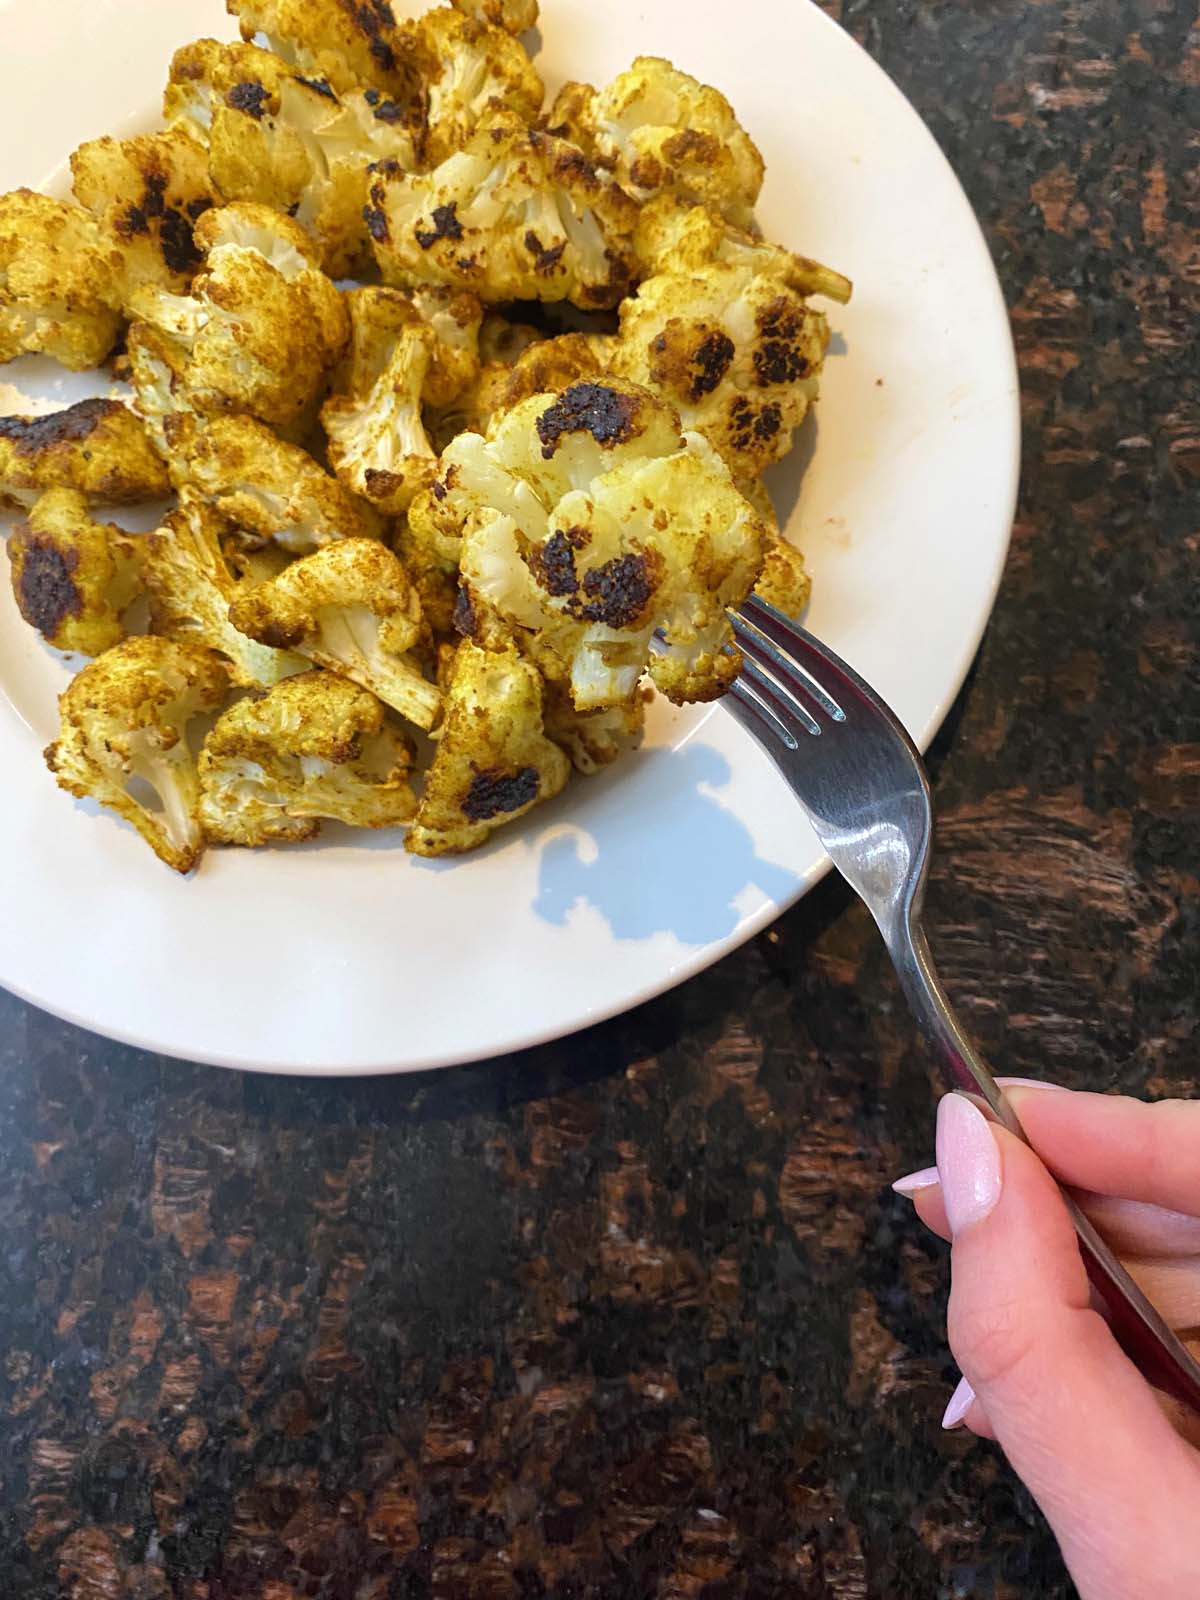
{"x":861,"y":781}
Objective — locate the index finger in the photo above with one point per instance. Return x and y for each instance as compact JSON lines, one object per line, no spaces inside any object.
{"x":1114,"y":1145}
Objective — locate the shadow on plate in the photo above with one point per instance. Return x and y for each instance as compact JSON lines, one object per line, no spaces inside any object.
{"x":689,"y":882}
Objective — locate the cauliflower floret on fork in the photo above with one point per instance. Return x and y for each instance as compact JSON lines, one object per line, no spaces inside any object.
{"x":266,"y":490}
{"x":97,"y":447}
{"x":493,"y":761}
{"x":72,"y":577}
{"x":146,"y":193}
{"x":312,"y":748}
{"x":784,"y":581}
{"x":124,"y":718}
{"x":514,"y":215}
{"x":378,"y":446}
{"x":587,"y":523}
{"x":661,"y":131}
{"x":262,"y":325}
{"x":58,"y":282}
{"x":344,"y":43}
{"x":191,"y":589}
{"x":351,"y":609}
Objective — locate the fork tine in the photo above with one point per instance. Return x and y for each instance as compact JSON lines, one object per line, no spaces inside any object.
{"x":758,"y":646}
{"x":784,"y":706}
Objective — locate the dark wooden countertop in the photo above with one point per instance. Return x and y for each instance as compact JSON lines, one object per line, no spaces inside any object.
{"x":637,"y":1315}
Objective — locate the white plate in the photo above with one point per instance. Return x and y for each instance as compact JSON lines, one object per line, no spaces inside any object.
{"x":348,"y":956}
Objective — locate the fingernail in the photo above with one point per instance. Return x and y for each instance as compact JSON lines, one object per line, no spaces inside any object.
{"x":1031,"y":1083}
{"x":927,"y":1178}
{"x":968,"y":1162}
{"x":961,"y":1402}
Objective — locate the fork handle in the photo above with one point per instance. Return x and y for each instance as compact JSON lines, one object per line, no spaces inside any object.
{"x":1146,"y":1339}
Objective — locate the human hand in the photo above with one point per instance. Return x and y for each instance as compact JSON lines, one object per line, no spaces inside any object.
{"x":1112,"y":1463}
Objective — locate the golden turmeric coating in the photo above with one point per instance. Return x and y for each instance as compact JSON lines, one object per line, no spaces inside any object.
{"x":345,"y":43}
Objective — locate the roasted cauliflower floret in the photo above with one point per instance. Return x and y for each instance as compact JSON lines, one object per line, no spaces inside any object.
{"x":674,"y":237}
{"x":342,"y":42}
{"x":515,"y":214}
{"x":476,"y":70}
{"x":73,"y":578}
{"x":493,"y":759}
{"x":314,"y":747}
{"x":454,"y":318}
{"x":269,"y":491}
{"x":736,"y":351}
{"x":191,"y":589}
{"x":500,"y":345}
{"x":661,"y":131}
{"x":350,"y":608}
{"x":262,"y":325}
{"x":147,"y":194}
{"x":58,"y":288}
{"x":783,"y":582}
{"x":594,"y":739}
{"x":377,"y":441}
{"x":292,"y":143}
{"x":155,"y":368}
{"x":125,"y":718}
{"x":95,"y":446}
{"x":514,"y":16}
{"x":587,"y":523}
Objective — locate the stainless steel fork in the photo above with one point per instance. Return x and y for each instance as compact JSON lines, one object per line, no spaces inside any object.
{"x":862,"y":783}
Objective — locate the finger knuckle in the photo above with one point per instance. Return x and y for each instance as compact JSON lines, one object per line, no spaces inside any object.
{"x":993,"y":1339}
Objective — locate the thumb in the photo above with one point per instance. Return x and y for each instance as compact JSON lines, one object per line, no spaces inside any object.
{"x":1073,"y":1415}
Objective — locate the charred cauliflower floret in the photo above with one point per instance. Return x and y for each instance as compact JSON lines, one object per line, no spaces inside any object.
{"x":377,"y":441}
{"x":268,"y":490}
{"x":125,"y":718}
{"x":95,"y":446}
{"x":350,"y":608}
{"x":736,"y":351}
{"x":475,"y":71}
{"x":493,"y":759}
{"x":58,"y":288}
{"x":661,"y":131}
{"x":147,"y":194}
{"x":342,"y":42}
{"x":314,"y":747}
{"x":516,"y":214}
{"x":73,"y":578}
{"x":587,"y":523}
{"x":290,"y":142}
{"x":514,"y":16}
{"x":191,"y":589}
{"x":262,"y":325}
{"x":594,"y":739}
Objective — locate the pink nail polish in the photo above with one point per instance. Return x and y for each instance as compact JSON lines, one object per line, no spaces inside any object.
{"x":961,"y":1402}
{"x":927,"y":1178}
{"x":968,"y":1161}
{"x":1031,"y":1083}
